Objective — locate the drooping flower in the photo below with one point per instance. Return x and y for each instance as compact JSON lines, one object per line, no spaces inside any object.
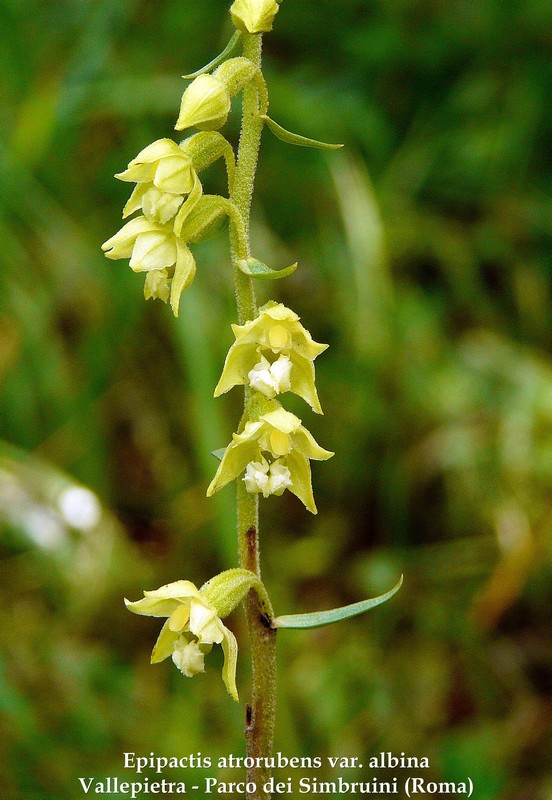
{"x":274,"y":452}
{"x":151,"y":246}
{"x":193,"y":626}
{"x":164,"y":164}
{"x":164,"y":174}
{"x":254,"y":16}
{"x":273,"y":353}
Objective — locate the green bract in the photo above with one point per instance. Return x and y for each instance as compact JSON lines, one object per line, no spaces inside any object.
{"x":274,"y":451}
{"x":261,"y":346}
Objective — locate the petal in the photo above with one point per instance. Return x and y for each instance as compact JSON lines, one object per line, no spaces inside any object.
{"x":137,"y":173}
{"x":230,"y":650}
{"x":301,"y":479}
{"x":239,"y":361}
{"x":161,"y":148}
{"x":305,"y":443}
{"x":164,"y":645}
{"x":135,"y":200}
{"x":282,"y":420}
{"x":183,"y":274}
{"x":153,"y":250}
{"x":152,"y":607}
{"x":177,"y":590}
{"x":180,"y":616}
{"x":163,"y":601}
{"x":243,"y":449}
{"x":122,"y":243}
{"x":190,"y":203}
{"x":175,"y":174}
{"x":204,"y":622}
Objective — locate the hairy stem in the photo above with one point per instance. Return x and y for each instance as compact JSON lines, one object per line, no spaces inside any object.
{"x":260,"y":714}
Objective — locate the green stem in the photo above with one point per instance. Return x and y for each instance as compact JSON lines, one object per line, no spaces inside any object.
{"x":260,"y":714}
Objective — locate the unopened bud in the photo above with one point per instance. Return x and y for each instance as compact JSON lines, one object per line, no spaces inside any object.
{"x":205,"y":104}
{"x":254,"y":16}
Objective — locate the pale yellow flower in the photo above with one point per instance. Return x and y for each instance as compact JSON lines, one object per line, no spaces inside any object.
{"x":192,"y":628}
{"x":152,"y":246}
{"x":273,"y":353}
{"x":274,"y":452}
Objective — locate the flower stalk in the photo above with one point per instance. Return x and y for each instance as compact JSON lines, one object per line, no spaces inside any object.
{"x":273,"y":354}
{"x":261,"y":711}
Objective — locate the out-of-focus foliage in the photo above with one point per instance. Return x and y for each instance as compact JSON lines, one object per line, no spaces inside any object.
{"x":424,"y":253}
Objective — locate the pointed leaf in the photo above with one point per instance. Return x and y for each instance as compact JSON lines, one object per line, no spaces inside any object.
{"x":295,"y":138}
{"x":219,"y":453}
{"x":319,"y":618}
{"x":256,"y":269}
{"x":226,"y":53}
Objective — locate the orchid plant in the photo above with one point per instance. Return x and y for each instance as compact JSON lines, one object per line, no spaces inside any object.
{"x":272,"y":354}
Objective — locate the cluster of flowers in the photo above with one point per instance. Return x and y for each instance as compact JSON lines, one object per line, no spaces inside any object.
{"x":272,"y":354}
{"x":174,"y":212}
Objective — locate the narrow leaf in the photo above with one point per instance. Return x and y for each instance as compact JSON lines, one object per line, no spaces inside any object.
{"x":226,"y":53}
{"x":219,"y":453}
{"x":295,"y":138}
{"x":319,"y":618}
{"x":256,"y":269}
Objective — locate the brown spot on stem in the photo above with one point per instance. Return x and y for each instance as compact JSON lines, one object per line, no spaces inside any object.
{"x":248,"y":715}
{"x":251,"y":538}
{"x":265,"y":620}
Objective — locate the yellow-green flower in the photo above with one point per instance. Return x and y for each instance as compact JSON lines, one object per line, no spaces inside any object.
{"x":273,"y":353}
{"x":164,"y":164}
{"x":192,"y":627}
{"x":205,"y":104}
{"x":152,"y":246}
{"x":254,"y":16}
{"x":274,"y":452}
{"x":164,"y":175}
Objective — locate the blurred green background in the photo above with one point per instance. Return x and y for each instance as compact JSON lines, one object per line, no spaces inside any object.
{"x":424,"y":251}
